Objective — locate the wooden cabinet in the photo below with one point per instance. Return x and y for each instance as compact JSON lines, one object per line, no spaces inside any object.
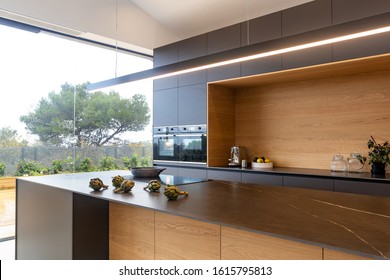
{"x":244,"y":245}
{"x":131,"y":232}
{"x":262,"y":179}
{"x":185,"y":239}
{"x":325,"y":184}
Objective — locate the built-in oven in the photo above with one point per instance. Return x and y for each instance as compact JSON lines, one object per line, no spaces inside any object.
{"x":185,"y":143}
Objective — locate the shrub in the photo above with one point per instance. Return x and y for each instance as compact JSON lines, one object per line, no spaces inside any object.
{"x":85,"y":165}
{"x":2,"y":168}
{"x":27,"y":168}
{"x":107,"y":163}
{"x":61,"y":166}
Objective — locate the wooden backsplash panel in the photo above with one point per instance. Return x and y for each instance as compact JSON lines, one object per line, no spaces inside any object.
{"x":220,"y":124}
{"x":303,"y":124}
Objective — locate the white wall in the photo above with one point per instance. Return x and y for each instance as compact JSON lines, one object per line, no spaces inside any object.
{"x":95,"y":19}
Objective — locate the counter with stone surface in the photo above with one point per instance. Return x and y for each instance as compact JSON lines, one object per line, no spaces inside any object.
{"x":60,"y":217}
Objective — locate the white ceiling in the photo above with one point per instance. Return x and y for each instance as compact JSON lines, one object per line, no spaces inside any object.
{"x":140,"y":25}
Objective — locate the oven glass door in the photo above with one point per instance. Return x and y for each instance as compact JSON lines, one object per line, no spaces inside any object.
{"x":192,"y":147}
{"x":164,"y":148}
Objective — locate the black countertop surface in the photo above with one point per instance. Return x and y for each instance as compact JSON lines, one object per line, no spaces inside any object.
{"x":358,"y":223}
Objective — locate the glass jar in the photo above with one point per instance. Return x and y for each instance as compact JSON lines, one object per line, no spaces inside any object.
{"x":338,"y":163}
{"x":355,"y":163}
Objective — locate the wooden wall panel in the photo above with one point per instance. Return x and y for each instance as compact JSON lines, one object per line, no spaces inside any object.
{"x":186,"y":239}
{"x":131,"y":233}
{"x":244,"y":245}
{"x":337,"y":255}
{"x":220,"y":125}
{"x":304,"y":123}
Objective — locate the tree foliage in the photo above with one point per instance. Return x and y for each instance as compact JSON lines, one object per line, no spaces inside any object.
{"x":93,"y":119}
{"x":10,"y":138}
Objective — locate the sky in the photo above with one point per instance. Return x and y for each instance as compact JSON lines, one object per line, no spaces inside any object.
{"x":33,"y":65}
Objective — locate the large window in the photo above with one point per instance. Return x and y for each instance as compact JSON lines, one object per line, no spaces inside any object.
{"x":43,"y":75}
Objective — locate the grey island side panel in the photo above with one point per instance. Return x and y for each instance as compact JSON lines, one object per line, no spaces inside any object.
{"x":43,"y":222}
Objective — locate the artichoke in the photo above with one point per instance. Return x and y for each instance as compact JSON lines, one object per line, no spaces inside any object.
{"x":96,"y":184}
{"x":125,"y":186}
{"x":153,"y":186}
{"x":173,"y":192}
{"x":117,"y":181}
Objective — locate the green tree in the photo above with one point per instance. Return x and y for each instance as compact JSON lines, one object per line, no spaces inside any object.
{"x":10,"y":138}
{"x":95,"y":119}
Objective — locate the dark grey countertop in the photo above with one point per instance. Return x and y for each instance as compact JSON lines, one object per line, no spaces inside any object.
{"x":359,"y":223}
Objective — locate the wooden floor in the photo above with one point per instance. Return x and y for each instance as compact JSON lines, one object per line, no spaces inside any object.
{"x":7,"y":213}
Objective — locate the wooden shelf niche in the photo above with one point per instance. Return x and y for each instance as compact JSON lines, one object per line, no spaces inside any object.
{"x":301,"y":117}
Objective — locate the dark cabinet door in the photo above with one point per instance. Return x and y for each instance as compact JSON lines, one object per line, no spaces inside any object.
{"x":232,"y":176}
{"x":310,"y":16}
{"x":349,"y":10}
{"x":192,"y":108}
{"x":359,"y":187}
{"x":373,"y":45}
{"x":192,"y":172}
{"x":262,"y":179}
{"x":324,"y":184}
{"x":165,"y":107}
{"x":165,"y":55}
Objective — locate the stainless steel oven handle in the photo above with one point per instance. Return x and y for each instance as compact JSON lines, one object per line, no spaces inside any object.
{"x":190,"y":135}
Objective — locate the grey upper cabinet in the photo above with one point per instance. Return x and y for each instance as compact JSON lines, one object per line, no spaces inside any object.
{"x":192,"y":104}
{"x":304,"y":18}
{"x":165,"y":83}
{"x":349,"y":10}
{"x":313,"y":56}
{"x":189,"y":49}
{"x":224,"y":72}
{"x":374,"y":45}
{"x":165,"y":55}
{"x":261,"y":29}
{"x":165,"y":107}
{"x":310,"y":16}
{"x":224,"y":39}
{"x":260,"y":66}
{"x":192,"y":48}
{"x":193,"y":78}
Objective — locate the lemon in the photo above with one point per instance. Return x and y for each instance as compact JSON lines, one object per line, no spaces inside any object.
{"x":260,"y":160}
{"x":267,"y":160}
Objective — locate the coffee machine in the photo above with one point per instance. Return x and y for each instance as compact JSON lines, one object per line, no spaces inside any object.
{"x":237,"y":154}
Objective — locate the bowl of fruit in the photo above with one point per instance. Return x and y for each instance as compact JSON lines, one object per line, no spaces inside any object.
{"x":262,"y":162}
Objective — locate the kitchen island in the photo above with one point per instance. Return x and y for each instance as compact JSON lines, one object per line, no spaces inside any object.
{"x":60,"y":217}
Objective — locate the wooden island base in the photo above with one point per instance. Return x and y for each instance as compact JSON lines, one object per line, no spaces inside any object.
{"x":141,"y":234}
